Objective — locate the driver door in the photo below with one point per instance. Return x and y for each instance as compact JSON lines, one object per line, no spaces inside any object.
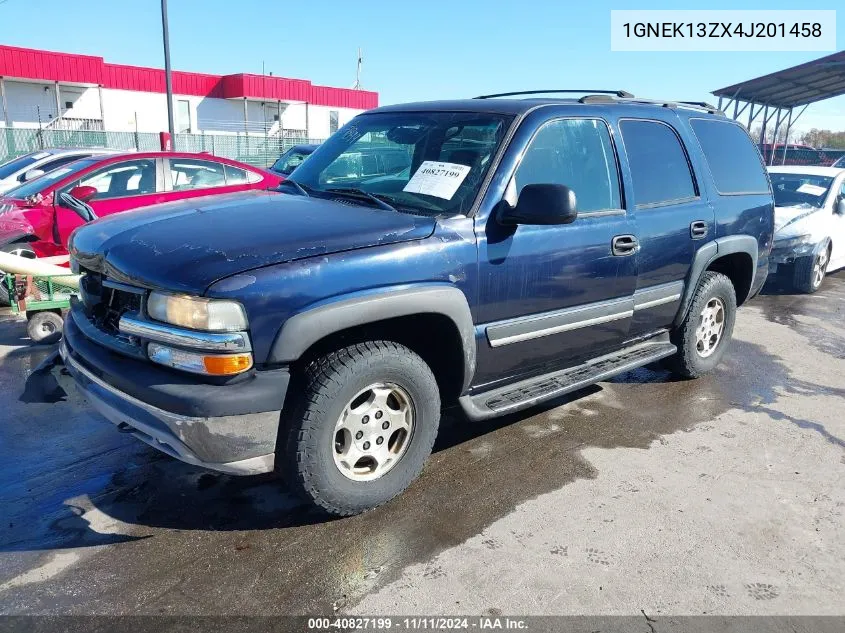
{"x":550,"y":296}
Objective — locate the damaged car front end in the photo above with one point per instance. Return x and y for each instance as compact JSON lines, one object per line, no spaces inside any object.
{"x":807,"y":214}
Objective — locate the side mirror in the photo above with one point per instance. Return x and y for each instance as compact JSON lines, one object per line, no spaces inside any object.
{"x":32,"y":174}
{"x":83,"y":192}
{"x":79,"y":207}
{"x":839,"y":205}
{"x":541,"y":204}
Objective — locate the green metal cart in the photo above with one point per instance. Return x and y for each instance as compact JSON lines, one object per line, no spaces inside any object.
{"x":43,"y":300}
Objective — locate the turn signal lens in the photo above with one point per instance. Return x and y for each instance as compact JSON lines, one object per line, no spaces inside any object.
{"x":199,"y":363}
{"x":226,"y":365}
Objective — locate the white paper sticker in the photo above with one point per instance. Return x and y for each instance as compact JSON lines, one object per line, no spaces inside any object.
{"x":813,"y":190}
{"x":40,"y":155}
{"x":437,"y":179}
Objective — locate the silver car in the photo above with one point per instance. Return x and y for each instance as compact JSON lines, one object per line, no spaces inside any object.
{"x":17,"y":171}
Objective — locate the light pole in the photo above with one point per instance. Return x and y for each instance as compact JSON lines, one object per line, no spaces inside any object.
{"x":167,"y":83}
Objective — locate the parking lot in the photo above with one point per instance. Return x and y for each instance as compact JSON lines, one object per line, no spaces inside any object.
{"x":721,"y":495}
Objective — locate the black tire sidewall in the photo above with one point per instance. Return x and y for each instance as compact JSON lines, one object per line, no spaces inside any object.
{"x":33,"y":327}
{"x":316,"y":466}
{"x":715,"y":286}
{"x":802,"y":276}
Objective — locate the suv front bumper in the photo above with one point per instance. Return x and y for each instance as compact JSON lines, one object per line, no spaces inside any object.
{"x":213,"y":426}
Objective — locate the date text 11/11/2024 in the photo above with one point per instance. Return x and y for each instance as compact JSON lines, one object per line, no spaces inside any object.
{"x":431,"y":623}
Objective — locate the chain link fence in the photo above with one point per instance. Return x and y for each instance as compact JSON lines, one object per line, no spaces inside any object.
{"x":254,"y":149}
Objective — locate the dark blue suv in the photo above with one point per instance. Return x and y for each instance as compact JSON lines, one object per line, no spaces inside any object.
{"x":522,"y":248}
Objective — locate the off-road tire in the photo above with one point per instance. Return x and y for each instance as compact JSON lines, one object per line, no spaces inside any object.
{"x":18,"y":248}
{"x":687,"y":362}
{"x":304,"y":455}
{"x":45,"y":327}
{"x":804,"y":273}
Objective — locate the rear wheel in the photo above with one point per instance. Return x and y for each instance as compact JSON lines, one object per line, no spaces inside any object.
{"x":810,"y":271}
{"x":362,"y":428}
{"x":21,"y":249}
{"x":705,"y":332}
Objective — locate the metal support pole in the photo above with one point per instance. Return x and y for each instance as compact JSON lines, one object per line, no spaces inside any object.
{"x":763,"y":128}
{"x":58,"y":102}
{"x":5,"y":105}
{"x":775,"y":136}
{"x":167,"y":79}
{"x":786,"y":137}
{"x":246,"y":118}
{"x":103,"y":109}
{"x":307,"y":128}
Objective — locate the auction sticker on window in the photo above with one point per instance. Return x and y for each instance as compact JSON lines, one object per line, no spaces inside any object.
{"x":813,"y":190}
{"x":437,"y":179}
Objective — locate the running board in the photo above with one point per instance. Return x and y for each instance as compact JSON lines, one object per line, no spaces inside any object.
{"x":527,"y":393}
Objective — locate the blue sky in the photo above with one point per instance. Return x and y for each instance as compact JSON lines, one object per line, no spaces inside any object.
{"x":412,"y":50}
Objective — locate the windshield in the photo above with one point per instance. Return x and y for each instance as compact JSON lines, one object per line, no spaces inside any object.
{"x":800,"y":190}
{"x":19,"y":163}
{"x":42,"y":182}
{"x":423,"y":162}
{"x":289,"y":161}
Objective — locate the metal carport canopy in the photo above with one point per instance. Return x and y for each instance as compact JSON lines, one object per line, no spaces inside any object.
{"x":817,"y":80}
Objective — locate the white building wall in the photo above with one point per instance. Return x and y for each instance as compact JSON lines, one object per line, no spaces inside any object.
{"x":26,"y":102}
{"x":120,"y":108}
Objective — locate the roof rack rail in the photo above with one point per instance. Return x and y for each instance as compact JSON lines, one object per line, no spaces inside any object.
{"x":697,"y":105}
{"x":622,"y":94}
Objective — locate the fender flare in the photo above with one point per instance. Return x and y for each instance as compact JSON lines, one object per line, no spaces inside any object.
{"x":706,"y":255}
{"x":305,"y":328}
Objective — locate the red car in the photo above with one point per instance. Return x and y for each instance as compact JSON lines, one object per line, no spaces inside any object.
{"x":34,"y":224}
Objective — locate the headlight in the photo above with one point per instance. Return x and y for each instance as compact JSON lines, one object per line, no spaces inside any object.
{"x":197,"y":313}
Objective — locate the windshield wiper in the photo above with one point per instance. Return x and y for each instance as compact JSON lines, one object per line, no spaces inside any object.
{"x":299,"y":188}
{"x":352,"y":192}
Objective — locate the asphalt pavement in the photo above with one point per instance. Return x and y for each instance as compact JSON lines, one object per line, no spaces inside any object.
{"x":645,"y":494}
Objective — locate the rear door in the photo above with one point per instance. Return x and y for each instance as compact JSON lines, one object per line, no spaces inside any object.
{"x":673,"y":217}
{"x":121,"y":186}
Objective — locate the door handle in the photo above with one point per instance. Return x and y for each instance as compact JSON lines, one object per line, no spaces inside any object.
{"x":623,"y":245}
{"x":698,"y":229}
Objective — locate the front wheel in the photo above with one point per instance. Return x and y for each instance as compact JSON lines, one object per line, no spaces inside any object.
{"x":705,"y":332}
{"x":810,"y":271}
{"x":362,"y":428}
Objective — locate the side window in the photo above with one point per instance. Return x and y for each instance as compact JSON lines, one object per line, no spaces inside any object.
{"x":187,"y":173}
{"x":129,"y":178}
{"x":577,"y":153}
{"x":64,"y":160}
{"x":235,"y":176}
{"x":659,"y":167}
{"x":731,"y":156}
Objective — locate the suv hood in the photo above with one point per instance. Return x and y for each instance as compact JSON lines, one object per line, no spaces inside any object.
{"x":185,"y":247}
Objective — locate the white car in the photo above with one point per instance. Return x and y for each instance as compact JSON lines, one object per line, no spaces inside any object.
{"x":809,"y":223}
{"x":17,"y":171}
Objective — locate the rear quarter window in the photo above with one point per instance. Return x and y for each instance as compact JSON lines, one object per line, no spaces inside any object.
{"x":733,"y":159}
{"x":660,"y":170}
